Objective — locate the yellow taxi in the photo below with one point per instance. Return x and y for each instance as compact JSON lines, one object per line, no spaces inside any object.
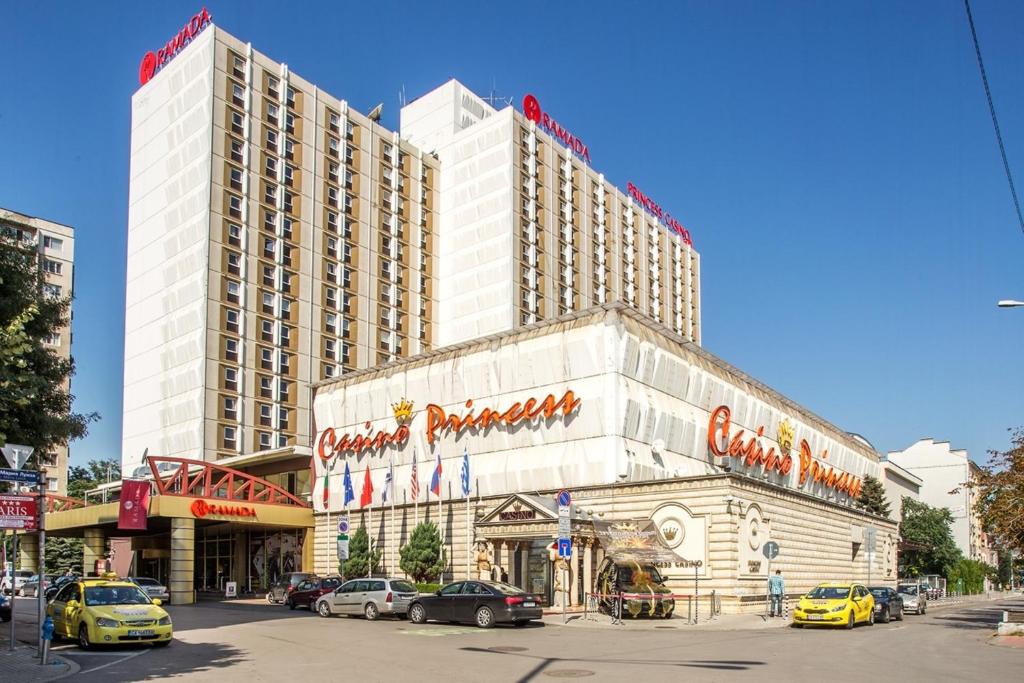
{"x":835,"y":604}
{"x":108,"y":611}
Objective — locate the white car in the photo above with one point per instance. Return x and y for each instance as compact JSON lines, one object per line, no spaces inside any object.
{"x":153,"y":588}
{"x":20,"y":577}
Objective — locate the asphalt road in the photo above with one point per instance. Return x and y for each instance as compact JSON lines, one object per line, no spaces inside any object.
{"x":227,"y":642}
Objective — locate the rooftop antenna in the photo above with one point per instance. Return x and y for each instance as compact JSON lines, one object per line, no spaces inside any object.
{"x":494,"y":99}
{"x":401,"y":96}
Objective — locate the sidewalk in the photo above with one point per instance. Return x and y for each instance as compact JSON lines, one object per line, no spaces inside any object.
{"x":22,"y":666}
{"x":724,"y":622}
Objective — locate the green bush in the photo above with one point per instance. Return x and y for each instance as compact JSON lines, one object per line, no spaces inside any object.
{"x":428,"y":587}
{"x":968,"y":576}
{"x":360,"y":561}
{"x":423,"y":557}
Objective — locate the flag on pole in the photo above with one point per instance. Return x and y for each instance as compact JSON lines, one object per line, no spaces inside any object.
{"x":465,"y":472}
{"x":366,"y":497}
{"x":327,"y":482}
{"x":388,"y":479}
{"x":414,"y":485}
{"x":435,"y":479}
{"x":347,"y":483}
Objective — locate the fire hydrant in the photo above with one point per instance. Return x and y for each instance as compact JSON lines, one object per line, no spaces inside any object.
{"x":47,"y":632}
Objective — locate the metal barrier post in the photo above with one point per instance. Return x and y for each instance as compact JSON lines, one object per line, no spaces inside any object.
{"x":696,"y":596}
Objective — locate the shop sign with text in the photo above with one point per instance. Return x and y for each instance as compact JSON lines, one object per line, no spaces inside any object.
{"x":18,"y":512}
{"x":725,"y":443}
{"x":531,"y":107}
{"x":202,"y":508}
{"x":651,"y":207}
{"x":154,"y":61}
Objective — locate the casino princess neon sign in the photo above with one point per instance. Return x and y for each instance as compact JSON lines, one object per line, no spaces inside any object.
{"x":153,"y":62}
{"x":655,"y":210}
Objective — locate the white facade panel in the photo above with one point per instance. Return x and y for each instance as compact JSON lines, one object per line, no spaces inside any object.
{"x":168,"y":257}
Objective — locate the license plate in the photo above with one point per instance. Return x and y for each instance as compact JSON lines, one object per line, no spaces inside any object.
{"x":141,"y":632}
{"x":814,"y":617}
{"x":529,"y":604}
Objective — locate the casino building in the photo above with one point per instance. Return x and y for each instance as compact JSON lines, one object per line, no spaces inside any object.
{"x":641,"y":425}
{"x":309,"y":291}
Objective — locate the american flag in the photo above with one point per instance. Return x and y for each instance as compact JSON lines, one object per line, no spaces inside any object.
{"x":415,"y":485}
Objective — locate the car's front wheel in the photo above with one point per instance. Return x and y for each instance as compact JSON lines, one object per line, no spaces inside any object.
{"x":485,"y":617}
{"x":83,"y":637}
{"x":418,"y":614}
{"x":900,"y":615}
{"x":885,"y":615}
{"x":324,"y":609}
{"x":871,"y":617}
{"x":371,"y":612}
{"x":270,"y":598}
{"x":290,"y":603}
{"x":849,"y":621}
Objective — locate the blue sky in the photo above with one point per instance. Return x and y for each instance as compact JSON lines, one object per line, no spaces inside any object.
{"x":835,"y":163}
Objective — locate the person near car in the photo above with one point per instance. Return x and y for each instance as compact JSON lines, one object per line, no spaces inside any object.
{"x":776,"y":589}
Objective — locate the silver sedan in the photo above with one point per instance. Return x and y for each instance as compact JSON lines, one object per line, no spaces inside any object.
{"x":369,"y":597}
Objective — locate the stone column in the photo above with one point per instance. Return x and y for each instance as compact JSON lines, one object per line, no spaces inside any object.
{"x":574,"y":572}
{"x":524,"y":566}
{"x":183,"y":548}
{"x":510,"y":559}
{"x":94,"y":547}
{"x":588,"y":569}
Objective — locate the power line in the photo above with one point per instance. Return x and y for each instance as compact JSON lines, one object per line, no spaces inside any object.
{"x":992,"y":110}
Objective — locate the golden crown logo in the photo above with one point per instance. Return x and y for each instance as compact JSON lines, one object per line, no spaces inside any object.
{"x":670,"y":533}
{"x":785,"y":436}
{"x":517,"y":506}
{"x":403,"y":410}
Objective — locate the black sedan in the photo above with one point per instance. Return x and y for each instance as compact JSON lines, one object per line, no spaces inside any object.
{"x":484,"y":603}
{"x":888,"y":604}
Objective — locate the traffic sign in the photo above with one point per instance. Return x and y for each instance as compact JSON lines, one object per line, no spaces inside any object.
{"x":20,"y":476}
{"x":870,"y":537}
{"x":16,"y":454}
{"x":564,"y":547}
{"x":342,"y":548}
{"x":564,"y":498}
{"x":770,"y":550}
{"x":343,"y":525}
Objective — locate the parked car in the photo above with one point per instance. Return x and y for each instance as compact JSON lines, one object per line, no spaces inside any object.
{"x":636,"y":578}
{"x":835,"y":604}
{"x":369,"y":597}
{"x":12,"y":586}
{"x":888,"y":604}
{"x":284,"y":586}
{"x":914,"y":597}
{"x":108,"y":611}
{"x":30,"y":588}
{"x":309,"y":591}
{"x":6,"y":607}
{"x":484,"y":603}
{"x":153,"y":588}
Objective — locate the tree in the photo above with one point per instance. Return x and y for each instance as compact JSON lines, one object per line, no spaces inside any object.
{"x":872,"y":497}
{"x":931,"y":548}
{"x":423,"y":557}
{"x":360,"y":561}
{"x":1000,"y":487}
{"x":968,"y":576}
{"x":35,"y":404}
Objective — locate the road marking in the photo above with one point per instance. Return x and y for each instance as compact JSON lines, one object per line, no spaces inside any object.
{"x":123,"y":659}
{"x":437,"y":631}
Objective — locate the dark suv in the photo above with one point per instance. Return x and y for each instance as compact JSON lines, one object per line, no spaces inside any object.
{"x":280,"y":591}
{"x":309,"y":590}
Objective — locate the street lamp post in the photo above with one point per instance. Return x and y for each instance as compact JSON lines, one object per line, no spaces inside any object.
{"x":1010,"y":303}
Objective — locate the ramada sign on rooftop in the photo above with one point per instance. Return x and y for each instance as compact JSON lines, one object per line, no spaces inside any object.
{"x":153,"y":62}
{"x":531,"y":107}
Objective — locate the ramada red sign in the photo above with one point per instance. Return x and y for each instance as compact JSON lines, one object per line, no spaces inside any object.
{"x":18,"y":512}
{"x":531,"y":107}
{"x":151,"y":63}
{"x":652,"y":208}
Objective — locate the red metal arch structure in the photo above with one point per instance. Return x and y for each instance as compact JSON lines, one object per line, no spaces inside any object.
{"x":208,"y":480}
{"x":55,"y":503}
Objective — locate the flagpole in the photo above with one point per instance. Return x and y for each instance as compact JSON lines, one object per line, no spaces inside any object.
{"x":468,"y":537}
{"x":391,"y":533}
{"x":416,"y":496}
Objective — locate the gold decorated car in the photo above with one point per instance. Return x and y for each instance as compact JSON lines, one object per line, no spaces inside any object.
{"x":108,"y":611}
{"x":835,"y":604}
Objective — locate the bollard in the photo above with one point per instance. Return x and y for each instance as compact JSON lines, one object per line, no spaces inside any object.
{"x":47,"y":634}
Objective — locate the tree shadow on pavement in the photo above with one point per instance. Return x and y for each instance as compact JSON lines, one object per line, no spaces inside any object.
{"x":178,"y":658}
{"x":544,"y":662}
{"x":978,"y":618}
{"x":214,"y":615}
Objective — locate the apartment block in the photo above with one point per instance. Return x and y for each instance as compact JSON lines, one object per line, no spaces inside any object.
{"x":55,"y":246}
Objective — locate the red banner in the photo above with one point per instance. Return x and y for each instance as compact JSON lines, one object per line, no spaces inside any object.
{"x":18,"y":512}
{"x":134,"y":505}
